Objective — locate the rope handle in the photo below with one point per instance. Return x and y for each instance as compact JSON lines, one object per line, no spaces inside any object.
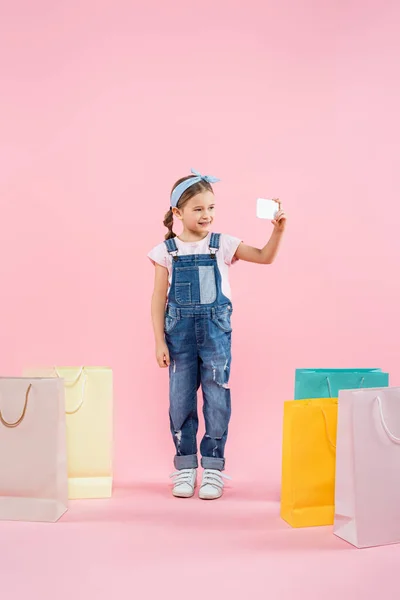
{"x":71,"y":383}
{"x":390,"y":435}
{"x":330,"y":388}
{"x":327,"y":430}
{"x":22,"y":417}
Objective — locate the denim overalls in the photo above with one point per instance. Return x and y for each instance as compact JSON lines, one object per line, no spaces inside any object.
{"x":198,"y":334}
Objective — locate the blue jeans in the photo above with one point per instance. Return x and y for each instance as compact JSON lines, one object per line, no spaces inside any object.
{"x":199,"y":342}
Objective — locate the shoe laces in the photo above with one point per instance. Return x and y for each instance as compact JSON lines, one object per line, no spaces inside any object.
{"x":182,"y":476}
{"x":214,"y":477}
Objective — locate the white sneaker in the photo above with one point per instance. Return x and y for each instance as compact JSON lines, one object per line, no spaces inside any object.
{"x":212,"y":485}
{"x":184,"y":483}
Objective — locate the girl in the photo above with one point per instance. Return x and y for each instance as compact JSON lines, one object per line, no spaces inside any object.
{"x":191,"y":311}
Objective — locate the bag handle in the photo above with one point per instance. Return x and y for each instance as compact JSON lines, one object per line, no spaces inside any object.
{"x":71,"y":383}
{"x":22,"y":417}
{"x":330,"y":389}
{"x":390,"y":435}
{"x":327,"y":430}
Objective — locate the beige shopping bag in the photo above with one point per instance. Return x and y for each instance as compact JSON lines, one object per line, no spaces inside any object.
{"x":33,"y":457}
{"x":89,"y":418}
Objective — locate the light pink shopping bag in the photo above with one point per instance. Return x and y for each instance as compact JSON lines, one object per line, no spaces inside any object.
{"x":367,"y":494}
{"x":33,"y":458}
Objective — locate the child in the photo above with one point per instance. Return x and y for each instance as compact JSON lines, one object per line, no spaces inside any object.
{"x":191,"y":312}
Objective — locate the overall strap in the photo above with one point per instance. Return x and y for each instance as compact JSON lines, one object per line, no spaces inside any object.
{"x":172,"y":248}
{"x":214,"y":244}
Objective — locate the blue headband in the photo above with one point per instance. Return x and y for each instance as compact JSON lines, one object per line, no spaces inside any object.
{"x":182,"y":187}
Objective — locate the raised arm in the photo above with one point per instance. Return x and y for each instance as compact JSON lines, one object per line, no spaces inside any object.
{"x":267,"y":254}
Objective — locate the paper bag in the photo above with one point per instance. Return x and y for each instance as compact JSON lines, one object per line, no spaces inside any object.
{"x":89,"y":418}
{"x":33,"y":458}
{"x":326,"y":383}
{"x":308,"y":462}
{"x":368,"y":467}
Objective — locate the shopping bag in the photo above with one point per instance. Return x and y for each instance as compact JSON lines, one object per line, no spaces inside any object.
{"x":326,"y":383}
{"x":368,"y":467}
{"x":89,"y":418}
{"x":33,"y":457}
{"x":308,"y":462}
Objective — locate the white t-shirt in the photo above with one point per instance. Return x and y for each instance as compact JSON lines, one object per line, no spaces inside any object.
{"x":225,"y":256}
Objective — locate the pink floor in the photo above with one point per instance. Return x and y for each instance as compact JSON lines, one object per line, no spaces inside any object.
{"x":145,"y":544}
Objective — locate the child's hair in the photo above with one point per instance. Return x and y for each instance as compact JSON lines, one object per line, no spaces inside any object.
{"x":193,"y":190}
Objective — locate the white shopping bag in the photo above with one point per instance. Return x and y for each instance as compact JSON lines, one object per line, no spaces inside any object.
{"x":367,"y":494}
{"x":33,"y":455}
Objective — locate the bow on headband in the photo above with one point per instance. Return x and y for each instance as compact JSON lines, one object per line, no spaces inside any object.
{"x":182,"y":187}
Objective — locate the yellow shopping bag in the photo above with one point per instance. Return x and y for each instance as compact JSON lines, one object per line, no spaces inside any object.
{"x":89,"y":419}
{"x":308,"y":462}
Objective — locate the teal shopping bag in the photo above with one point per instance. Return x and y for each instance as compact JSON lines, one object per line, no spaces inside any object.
{"x":326,"y":383}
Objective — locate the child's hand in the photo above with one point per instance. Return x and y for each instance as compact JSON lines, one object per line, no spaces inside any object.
{"x":280,"y":218}
{"x":162,"y":355}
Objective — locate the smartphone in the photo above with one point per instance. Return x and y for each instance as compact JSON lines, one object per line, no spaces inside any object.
{"x":267,"y":209}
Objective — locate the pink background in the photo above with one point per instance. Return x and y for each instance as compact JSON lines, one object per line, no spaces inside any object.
{"x":103,"y":105}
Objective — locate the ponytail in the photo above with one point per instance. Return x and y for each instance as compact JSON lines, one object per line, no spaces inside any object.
{"x":169,"y":223}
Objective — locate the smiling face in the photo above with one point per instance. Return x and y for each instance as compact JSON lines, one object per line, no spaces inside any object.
{"x":197,"y":214}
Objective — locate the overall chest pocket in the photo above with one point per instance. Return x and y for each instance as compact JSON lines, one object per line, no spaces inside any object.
{"x":195,"y":285}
